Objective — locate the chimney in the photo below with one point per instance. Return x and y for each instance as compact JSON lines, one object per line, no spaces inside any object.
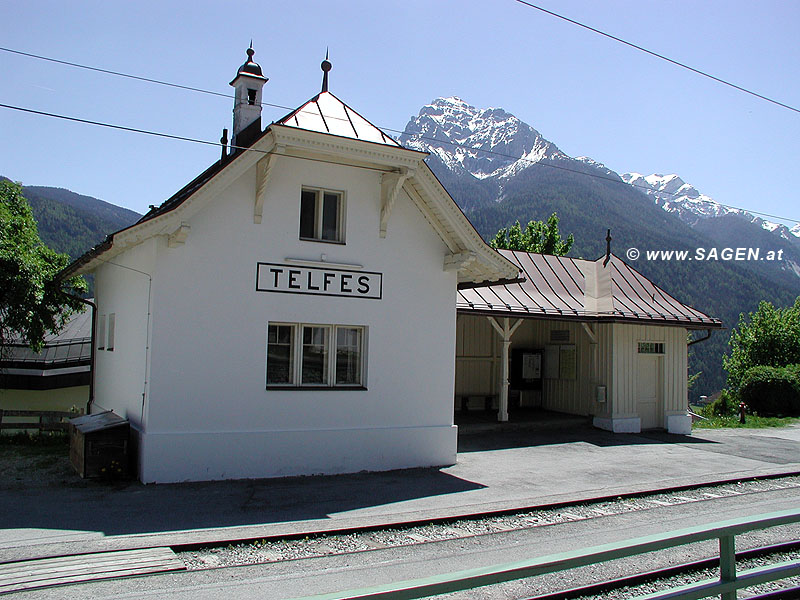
{"x":247,"y":103}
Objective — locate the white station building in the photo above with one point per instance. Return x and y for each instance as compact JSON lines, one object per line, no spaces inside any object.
{"x":292,"y":311}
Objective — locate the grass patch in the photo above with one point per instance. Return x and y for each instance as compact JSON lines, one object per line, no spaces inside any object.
{"x":751,"y":422}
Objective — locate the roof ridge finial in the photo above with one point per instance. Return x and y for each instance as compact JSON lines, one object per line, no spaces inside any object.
{"x":326,"y":67}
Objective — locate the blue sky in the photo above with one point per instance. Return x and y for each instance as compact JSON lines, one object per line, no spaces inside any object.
{"x":587,"y":94}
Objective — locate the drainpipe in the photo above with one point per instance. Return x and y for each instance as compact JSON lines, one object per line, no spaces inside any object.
{"x":702,"y":339}
{"x":93,"y":347}
{"x":506,"y":331}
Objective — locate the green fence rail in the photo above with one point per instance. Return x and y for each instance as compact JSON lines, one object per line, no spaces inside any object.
{"x":726,"y":586}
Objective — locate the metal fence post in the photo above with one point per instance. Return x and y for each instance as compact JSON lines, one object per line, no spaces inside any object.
{"x":727,"y":563}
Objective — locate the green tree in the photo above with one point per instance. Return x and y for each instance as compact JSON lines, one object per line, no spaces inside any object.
{"x":768,"y":337}
{"x":538,"y":236}
{"x":32,"y":297}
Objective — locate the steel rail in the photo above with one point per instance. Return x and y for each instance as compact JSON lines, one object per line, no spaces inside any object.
{"x":726,"y":585}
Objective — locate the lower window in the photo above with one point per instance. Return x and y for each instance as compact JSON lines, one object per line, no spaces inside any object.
{"x":312,"y":355}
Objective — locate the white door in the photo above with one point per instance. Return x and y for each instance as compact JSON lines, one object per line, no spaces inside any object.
{"x":648,"y":391}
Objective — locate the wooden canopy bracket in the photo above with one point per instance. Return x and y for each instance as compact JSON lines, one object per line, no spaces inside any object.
{"x":456,"y":262}
{"x":391,"y":184}
{"x":178,"y":237}
{"x":263,"y":171}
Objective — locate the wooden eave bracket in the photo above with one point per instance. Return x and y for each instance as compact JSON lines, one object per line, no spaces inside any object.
{"x":456,"y":262}
{"x":391,"y":184}
{"x":178,"y":237}
{"x":263,"y":171}
{"x":591,"y":334}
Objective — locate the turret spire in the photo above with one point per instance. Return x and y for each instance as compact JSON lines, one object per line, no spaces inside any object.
{"x":326,"y":67}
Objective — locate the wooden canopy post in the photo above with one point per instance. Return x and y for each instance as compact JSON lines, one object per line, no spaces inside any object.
{"x":506,"y":331}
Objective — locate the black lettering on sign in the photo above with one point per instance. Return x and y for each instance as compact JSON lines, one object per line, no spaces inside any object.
{"x":363,"y":285}
{"x":277,"y":272}
{"x":318,"y":281}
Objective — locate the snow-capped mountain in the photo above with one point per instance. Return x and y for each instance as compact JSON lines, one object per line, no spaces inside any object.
{"x":674,"y":195}
{"x":484,"y":142}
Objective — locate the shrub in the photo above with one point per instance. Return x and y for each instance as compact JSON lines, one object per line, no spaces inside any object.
{"x":724,"y":406}
{"x":770,"y":336}
{"x":770,"y":391}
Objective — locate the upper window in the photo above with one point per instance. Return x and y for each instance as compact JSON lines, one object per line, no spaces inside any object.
{"x":650,"y":348}
{"x":324,"y":356}
{"x":321,"y":215}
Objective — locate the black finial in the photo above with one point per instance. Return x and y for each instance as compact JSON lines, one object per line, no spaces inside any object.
{"x":608,"y":248}
{"x":326,"y":67}
{"x":224,"y":142}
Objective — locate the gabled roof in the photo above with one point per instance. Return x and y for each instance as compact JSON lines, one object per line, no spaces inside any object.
{"x":325,"y":113}
{"x":323,"y":125}
{"x":559,"y":287}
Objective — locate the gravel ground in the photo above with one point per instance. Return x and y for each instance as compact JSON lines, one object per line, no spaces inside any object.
{"x":695,"y":576}
{"x":264,"y":551}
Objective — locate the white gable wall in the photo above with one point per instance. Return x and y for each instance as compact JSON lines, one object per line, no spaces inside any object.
{"x":207,"y":398}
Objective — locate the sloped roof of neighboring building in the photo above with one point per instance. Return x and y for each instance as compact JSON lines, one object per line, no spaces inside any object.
{"x":72,"y":346}
{"x":556,"y":286}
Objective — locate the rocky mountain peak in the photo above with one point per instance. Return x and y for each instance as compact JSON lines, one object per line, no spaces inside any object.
{"x":484,"y":142}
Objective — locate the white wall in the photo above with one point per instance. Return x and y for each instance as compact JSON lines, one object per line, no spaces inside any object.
{"x":210,"y":416}
{"x":121,"y":374}
{"x":621,"y":365}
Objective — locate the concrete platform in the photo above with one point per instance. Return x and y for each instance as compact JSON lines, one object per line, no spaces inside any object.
{"x":499,"y":469}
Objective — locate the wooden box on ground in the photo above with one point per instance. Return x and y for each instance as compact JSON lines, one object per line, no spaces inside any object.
{"x":99,"y":444}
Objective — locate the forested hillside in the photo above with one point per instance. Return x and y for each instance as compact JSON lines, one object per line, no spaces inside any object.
{"x":72,"y":223}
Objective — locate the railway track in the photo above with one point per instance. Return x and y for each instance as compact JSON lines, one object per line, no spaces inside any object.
{"x":268,"y":550}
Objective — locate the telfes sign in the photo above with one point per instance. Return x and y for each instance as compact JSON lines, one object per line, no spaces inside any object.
{"x":294,"y":279}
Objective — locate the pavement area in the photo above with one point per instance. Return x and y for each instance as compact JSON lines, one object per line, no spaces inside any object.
{"x":499,"y":469}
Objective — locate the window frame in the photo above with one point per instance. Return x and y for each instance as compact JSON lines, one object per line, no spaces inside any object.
{"x":651,"y":348}
{"x":318,"y":215}
{"x":331,"y":353}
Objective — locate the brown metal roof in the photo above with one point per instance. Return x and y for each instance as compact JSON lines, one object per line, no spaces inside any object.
{"x":555,"y":286}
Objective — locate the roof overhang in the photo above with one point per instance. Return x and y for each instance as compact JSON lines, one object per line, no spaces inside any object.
{"x":468,"y":254}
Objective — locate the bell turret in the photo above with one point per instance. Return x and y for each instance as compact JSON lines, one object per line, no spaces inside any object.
{"x":248,"y":84}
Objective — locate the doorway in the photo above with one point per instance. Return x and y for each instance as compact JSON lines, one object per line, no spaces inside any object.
{"x":649,"y":404}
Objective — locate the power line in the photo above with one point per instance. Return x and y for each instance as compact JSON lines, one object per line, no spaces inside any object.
{"x":480,"y":150}
{"x":117,"y":73}
{"x":596,"y":176}
{"x":169,"y":135}
{"x":657,"y":55}
{"x":135,"y":77}
{"x":398,"y":131}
